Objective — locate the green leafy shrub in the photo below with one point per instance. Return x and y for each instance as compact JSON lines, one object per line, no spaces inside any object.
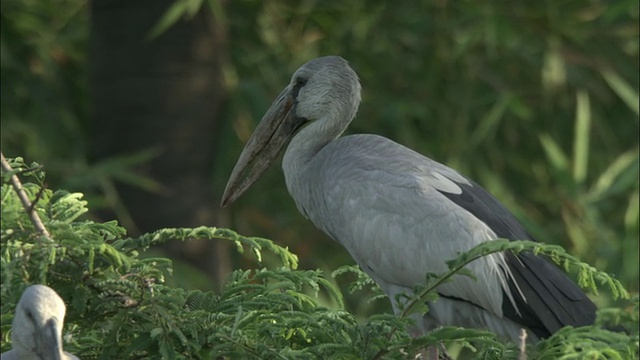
{"x":120,"y":308}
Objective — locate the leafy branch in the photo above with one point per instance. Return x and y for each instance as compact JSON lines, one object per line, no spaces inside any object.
{"x":24,"y":198}
{"x":119,"y":305}
{"x":256,"y":244}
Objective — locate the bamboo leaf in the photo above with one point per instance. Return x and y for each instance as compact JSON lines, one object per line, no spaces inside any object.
{"x":581,"y":140}
{"x":619,"y":175}
{"x":554,"y":153}
{"x":628,"y":95}
{"x":179,"y":8}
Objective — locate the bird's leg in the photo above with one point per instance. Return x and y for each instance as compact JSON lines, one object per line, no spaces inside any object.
{"x":523,"y":345}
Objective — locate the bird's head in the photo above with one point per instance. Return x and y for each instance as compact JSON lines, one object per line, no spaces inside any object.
{"x":324,"y":90}
{"x":37,"y":325}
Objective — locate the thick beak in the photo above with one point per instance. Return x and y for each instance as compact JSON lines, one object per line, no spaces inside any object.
{"x":276,"y":128}
{"x":49,"y":341}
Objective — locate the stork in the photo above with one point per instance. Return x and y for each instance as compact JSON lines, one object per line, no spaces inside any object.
{"x":400,"y":214}
{"x":36,"y":331}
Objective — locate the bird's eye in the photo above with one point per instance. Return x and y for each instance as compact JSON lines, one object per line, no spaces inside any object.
{"x":298,"y":84}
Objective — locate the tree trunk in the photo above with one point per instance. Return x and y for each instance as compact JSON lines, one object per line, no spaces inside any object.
{"x":164,"y":93}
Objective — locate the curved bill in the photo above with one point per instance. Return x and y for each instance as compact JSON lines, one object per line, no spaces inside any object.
{"x":49,"y":340}
{"x":276,"y":128}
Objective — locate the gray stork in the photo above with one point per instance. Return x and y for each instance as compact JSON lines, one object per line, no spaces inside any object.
{"x":400,"y":214}
{"x":36,"y":331}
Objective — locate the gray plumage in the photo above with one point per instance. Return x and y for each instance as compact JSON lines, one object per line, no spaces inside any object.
{"x":401,"y":214}
{"x":36,"y":331}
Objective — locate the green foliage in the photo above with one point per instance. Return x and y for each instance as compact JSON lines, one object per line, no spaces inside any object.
{"x":256,"y":244}
{"x":119,"y":306}
{"x":117,"y":297}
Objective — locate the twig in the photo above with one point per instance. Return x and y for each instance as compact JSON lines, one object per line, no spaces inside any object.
{"x":35,"y":201}
{"x":443,"y":352}
{"x":24,"y":198}
{"x":523,"y":344}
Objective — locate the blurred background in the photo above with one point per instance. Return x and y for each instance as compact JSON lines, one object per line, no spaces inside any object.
{"x":144,"y":107}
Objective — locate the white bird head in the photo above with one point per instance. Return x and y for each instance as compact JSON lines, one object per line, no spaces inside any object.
{"x":324,"y":90}
{"x":36,"y":331}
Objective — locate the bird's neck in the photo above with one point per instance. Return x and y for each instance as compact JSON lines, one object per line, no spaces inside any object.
{"x":306,"y":144}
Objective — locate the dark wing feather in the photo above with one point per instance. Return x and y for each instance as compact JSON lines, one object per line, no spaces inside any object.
{"x":552,"y":299}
